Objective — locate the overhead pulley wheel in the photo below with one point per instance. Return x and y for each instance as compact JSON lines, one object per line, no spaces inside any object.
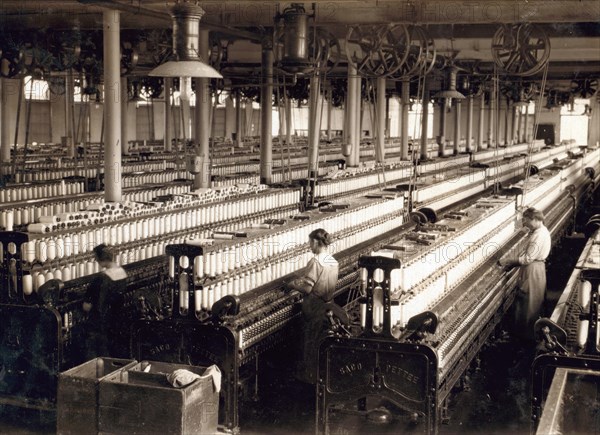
{"x":129,"y":58}
{"x":11,"y":62}
{"x":521,"y":49}
{"x":584,"y":88}
{"x":159,"y":44}
{"x":328,"y":50}
{"x":377,"y":51}
{"x":420,"y":54}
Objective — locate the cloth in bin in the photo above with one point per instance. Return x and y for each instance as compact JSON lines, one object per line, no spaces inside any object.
{"x":181,"y":377}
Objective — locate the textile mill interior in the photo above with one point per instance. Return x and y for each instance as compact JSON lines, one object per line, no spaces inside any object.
{"x":330,"y":217}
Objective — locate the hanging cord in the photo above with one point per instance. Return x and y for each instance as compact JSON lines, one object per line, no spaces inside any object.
{"x":374,"y":113}
{"x":314,"y":104}
{"x":85,"y":112}
{"x":418,"y":122}
{"x":148,"y":117}
{"x":321,"y":103}
{"x":281,"y":120}
{"x":538,"y":105}
{"x":182,"y":117}
{"x":495,"y":125}
{"x":175,"y":117}
{"x":102,"y":133}
{"x":28,"y":103}
{"x":151,"y":111}
{"x":288,"y":127}
{"x":213,"y":117}
{"x":248,"y":119}
{"x":102,"y":153}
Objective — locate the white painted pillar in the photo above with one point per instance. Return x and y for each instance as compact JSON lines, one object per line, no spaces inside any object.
{"x":112,"y":106}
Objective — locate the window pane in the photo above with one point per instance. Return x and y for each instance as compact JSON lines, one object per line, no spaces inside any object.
{"x":36,"y":89}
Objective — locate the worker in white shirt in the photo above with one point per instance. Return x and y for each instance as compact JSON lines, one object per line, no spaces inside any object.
{"x":317,"y":282}
{"x":532,"y":275}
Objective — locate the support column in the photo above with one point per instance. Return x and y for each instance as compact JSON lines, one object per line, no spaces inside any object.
{"x":266,"y":113}
{"x":184,"y":108}
{"x":593,"y":138}
{"x":314,"y":127}
{"x":497,"y":118}
{"x":167,"y":135}
{"x":457,"y":114}
{"x":381,"y":120}
{"x":4,"y":127}
{"x":387,"y":121}
{"x":229,"y":117}
{"x":112,"y":106}
{"x":288,"y":119}
{"x":469,"y":134}
{"x":351,"y":115}
{"x":526,"y":125}
{"x":405,"y":107}
{"x":425,"y":122}
{"x":69,"y":102}
{"x":239,"y":128}
{"x":203,"y":124}
{"x":329,"y":112}
{"x":358,"y":121}
{"x":4,"y":134}
{"x":441,"y":139}
{"x":399,"y":130}
{"x":124,"y":115}
{"x":506,"y":111}
{"x":490,"y":129}
{"x":480,"y":129}
{"x":519,"y":124}
{"x":513,"y":124}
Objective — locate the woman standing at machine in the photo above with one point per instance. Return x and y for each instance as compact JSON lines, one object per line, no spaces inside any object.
{"x":101,"y":303}
{"x":532,"y":274}
{"x":317,"y":281}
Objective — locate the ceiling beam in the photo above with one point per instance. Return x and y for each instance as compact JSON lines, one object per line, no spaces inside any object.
{"x":138,"y":10}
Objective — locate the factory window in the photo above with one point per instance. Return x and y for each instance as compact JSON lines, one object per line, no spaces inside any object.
{"x":78,"y":96}
{"x":530,"y":109}
{"x":36,"y":89}
{"x":415,"y":116}
{"x":414,"y":119}
{"x":574,"y":121}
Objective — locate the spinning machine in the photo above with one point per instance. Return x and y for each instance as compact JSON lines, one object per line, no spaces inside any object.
{"x":568,"y":344}
{"x":430,"y":300}
{"x":237,"y":309}
{"x":44,"y":332}
{"x":230,"y":315}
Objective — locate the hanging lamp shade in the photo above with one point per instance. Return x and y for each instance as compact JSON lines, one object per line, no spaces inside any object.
{"x":451,"y":92}
{"x":186,"y":61}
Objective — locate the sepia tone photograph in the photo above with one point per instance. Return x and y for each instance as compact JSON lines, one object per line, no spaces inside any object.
{"x":330,"y":217}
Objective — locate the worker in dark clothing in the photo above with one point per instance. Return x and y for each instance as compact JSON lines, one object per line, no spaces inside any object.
{"x":317,"y":282}
{"x":102,"y":303}
{"x":531,"y":290}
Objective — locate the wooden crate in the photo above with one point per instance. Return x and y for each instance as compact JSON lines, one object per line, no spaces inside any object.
{"x":77,"y":397}
{"x":138,"y":402}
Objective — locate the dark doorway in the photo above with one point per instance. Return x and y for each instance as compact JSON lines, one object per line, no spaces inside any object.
{"x":546,"y":132}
